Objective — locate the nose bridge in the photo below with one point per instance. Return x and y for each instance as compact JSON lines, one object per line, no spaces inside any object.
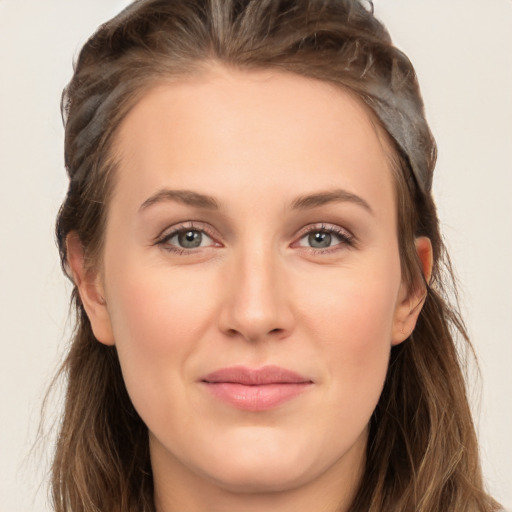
{"x":256,"y":303}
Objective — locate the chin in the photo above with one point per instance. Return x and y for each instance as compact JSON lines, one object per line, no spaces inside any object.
{"x":267,"y":464}
{"x":268,"y":477}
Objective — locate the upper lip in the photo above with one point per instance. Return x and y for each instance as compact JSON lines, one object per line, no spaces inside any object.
{"x":254,"y":377}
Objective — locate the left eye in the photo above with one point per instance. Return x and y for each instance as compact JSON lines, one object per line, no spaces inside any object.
{"x":188,"y":239}
{"x":323,"y":239}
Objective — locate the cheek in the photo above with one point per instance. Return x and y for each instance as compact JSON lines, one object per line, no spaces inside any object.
{"x":155,"y":314}
{"x":159,"y":319}
{"x":354,"y":309}
{"x":352,"y":319}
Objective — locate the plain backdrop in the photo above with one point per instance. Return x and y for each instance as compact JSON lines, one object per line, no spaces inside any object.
{"x":462,"y":52}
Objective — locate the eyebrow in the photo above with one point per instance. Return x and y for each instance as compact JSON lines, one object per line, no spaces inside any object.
{"x":331,"y":196}
{"x":306,"y":202}
{"x":187,"y":197}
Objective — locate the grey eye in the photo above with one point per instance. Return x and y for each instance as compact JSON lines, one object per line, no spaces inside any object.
{"x":319,"y":239}
{"x":190,"y":239}
{"x":186,"y":239}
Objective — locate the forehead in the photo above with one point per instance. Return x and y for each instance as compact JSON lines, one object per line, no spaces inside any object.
{"x":226,"y":129}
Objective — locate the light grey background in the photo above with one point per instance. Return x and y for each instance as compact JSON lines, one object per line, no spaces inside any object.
{"x":462,"y":52}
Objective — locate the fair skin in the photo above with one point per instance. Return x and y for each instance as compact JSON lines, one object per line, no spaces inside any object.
{"x":292,"y":262}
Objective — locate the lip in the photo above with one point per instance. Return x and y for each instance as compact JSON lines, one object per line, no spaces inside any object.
{"x":255,"y":389}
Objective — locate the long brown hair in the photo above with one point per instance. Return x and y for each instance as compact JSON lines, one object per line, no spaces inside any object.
{"x":422,"y":452}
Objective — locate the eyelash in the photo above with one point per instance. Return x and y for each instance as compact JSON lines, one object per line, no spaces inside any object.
{"x":346,"y":239}
{"x":163,"y":240}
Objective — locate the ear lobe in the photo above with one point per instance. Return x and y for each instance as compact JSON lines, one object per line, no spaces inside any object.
{"x":411,"y":301}
{"x":91,"y":291}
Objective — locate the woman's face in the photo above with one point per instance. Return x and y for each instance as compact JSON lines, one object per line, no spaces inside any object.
{"x":251,"y":278}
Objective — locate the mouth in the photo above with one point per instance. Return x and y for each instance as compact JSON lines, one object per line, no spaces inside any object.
{"x":255,"y":389}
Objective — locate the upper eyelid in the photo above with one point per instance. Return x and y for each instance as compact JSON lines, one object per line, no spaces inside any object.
{"x":170,"y":231}
{"x":172,"y":234}
{"x":332,"y":228}
{"x":202,"y":226}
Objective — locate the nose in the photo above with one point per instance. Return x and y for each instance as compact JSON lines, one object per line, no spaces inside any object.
{"x":257,"y":299}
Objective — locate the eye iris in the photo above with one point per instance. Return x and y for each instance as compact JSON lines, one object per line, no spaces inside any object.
{"x":190,"y":239}
{"x":319,"y":239}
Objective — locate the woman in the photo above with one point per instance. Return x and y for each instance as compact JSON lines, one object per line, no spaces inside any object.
{"x":259,"y":274}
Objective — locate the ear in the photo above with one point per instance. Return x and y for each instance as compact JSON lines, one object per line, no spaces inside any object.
{"x":91,"y":290}
{"x":411,"y":300}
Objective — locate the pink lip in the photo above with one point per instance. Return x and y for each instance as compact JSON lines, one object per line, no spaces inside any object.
{"x":255,"y":389}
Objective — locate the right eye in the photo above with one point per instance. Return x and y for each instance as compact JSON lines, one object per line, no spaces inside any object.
{"x":183,"y":239}
{"x":189,"y":239}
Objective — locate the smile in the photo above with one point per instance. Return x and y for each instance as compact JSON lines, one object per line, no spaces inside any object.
{"x":255,"y":389}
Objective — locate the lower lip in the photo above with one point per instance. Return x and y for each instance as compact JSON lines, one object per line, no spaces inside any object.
{"x":257,"y":397}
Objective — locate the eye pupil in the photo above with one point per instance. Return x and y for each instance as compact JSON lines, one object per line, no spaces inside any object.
{"x":319,"y":239}
{"x":190,"y":239}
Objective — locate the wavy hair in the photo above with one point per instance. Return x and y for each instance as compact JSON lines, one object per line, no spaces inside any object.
{"x":422,"y":451}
